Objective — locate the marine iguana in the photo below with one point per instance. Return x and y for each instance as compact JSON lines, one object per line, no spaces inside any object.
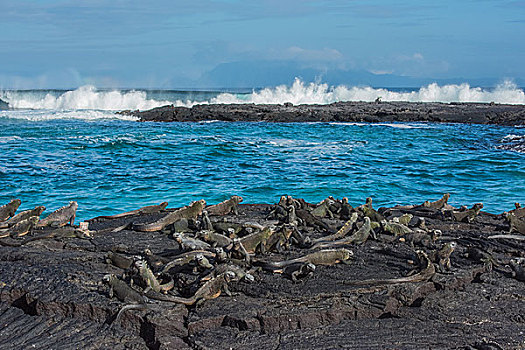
{"x":397,"y":229}
{"x":9,"y":209}
{"x":359,"y":237}
{"x":124,"y":293}
{"x":370,"y":212}
{"x":61,"y":232}
{"x":209,"y":290}
{"x":346,"y":209}
{"x":439,"y":204}
{"x":119,"y":260}
{"x":213,"y":238}
{"x":149,"y":279}
{"x":238,"y":251}
{"x":468,"y":215}
{"x":479,"y":255}
{"x":257,"y":240}
{"x":427,"y":272}
{"x":403,"y":219}
{"x":150,"y":209}
{"x":421,"y":238}
{"x":188,"y":243}
{"x":309,"y":219}
{"x":61,"y":216}
{"x":516,"y":224}
{"x":518,"y":268}
{"x":186,"y":258}
{"x":323,"y":209}
{"x":226,"y":207}
{"x":298,"y":271}
{"x":22,"y":216}
{"x":191,"y":211}
{"x":519,"y":211}
{"x":20,"y":229}
{"x":206,"y":222}
{"x":442,"y":256}
{"x":327,"y":257}
{"x":343,"y":231}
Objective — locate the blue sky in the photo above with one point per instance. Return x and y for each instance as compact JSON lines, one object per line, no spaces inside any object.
{"x":205,"y":43}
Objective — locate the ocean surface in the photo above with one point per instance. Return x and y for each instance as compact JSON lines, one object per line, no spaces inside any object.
{"x":57,"y":146}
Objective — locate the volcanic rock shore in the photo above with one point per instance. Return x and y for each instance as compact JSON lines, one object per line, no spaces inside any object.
{"x":52,"y":295}
{"x":370,"y":112}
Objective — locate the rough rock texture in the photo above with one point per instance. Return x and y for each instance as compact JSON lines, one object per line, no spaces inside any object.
{"x":51,"y":295}
{"x":474,"y":113}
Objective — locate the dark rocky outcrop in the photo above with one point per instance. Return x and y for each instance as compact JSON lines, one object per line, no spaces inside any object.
{"x":473,"y":113}
{"x":51,"y":296}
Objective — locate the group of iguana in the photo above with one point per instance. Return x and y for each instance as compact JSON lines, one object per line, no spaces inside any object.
{"x":14,"y":228}
{"x":218,"y":247}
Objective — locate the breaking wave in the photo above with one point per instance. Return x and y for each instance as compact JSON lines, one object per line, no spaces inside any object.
{"x":85,"y":97}
{"x":89,"y":98}
{"x":311,"y":93}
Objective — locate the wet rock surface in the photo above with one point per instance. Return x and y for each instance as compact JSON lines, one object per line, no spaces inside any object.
{"x":52,"y":295}
{"x":369,"y":112}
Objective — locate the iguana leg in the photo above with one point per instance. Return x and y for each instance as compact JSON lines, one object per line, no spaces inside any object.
{"x":72,"y":220}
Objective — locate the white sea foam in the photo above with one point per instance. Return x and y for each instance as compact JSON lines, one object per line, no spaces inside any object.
{"x":85,"y":97}
{"x":40,"y":115}
{"x":303,"y":93}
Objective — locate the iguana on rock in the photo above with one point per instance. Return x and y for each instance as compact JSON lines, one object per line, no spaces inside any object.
{"x":238,"y":251}
{"x":149,"y":278}
{"x":439,"y":204}
{"x":186,"y":258}
{"x":323,"y":209}
{"x":209,"y":290}
{"x":370,"y":212}
{"x":519,"y":211}
{"x":421,"y":238}
{"x":188,"y":243}
{"x":327,"y":257}
{"x":20,"y":229}
{"x":479,"y":255}
{"x":9,"y":209}
{"x":442,"y":256}
{"x":309,"y":219}
{"x":226,"y":207}
{"x":213,"y":238}
{"x":346,"y":209}
{"x":343,"y":231}
{"x":119,"y":260}
{"x":359,"y":237}
{"x":518,"y":268}
{"x":468,"y":215}
{"x":257,"y":240}
{"x":191,"y":211}
{"x":124,"y":293}
{"x":427,"y":272}
{"x":516,"y":224}
{"x":206,"y":222}
{"x":150,"y":209}
{"x":403,"y":219}
{"x":298,"y":271}
{"x":61,"y":232}
{"x":61,"y":216}
{"x":22,"y":216}
{"x":394,"y":228}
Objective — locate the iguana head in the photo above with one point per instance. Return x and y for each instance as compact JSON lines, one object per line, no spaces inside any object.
{"x":237,"y":199}
{"x":141,"y":265}
{"x":446,"y":196}
{"x":230,"y":276}
{"x":15,"y":202}
{"x":73,"y":205}
{"x":33,"y":220}
{"x":347,"y":253}
{"x":148,"y":252}
{"x":109,"y":277}
{"x":517,"y":205}
{"x":202,"y":261}
{"x":478,"y":206}
{"x":178,"y":237}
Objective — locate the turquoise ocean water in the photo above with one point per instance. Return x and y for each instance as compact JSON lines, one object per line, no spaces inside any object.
{"x":51,"y":156}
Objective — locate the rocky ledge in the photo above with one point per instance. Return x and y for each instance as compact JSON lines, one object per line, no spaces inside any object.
{"x":407,"y":277}
{"x":370,"y":112}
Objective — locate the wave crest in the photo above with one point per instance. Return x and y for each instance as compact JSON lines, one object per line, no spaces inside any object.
{"x":85,"y":97}
{"x":312,"y":93}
